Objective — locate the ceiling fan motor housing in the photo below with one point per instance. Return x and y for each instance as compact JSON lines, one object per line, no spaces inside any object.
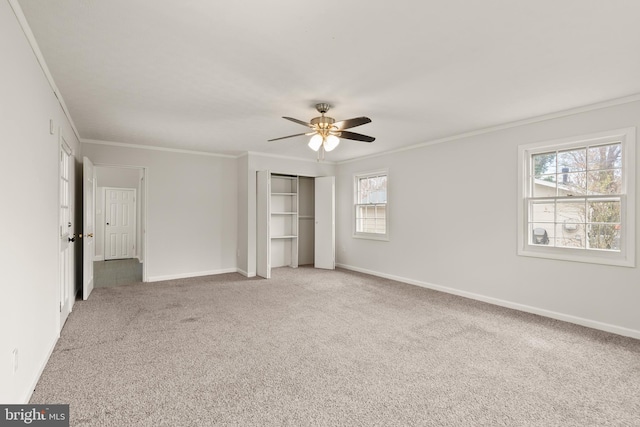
{"x":323,"y":107}
{"x":322,"y":124}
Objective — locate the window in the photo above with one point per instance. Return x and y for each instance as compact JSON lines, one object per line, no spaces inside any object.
{"x":371,"y":213}
{"x":577,"y":199}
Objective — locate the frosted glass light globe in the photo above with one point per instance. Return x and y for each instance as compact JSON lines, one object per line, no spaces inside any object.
{"x":315,"y":142}
{"x":331,"y":142}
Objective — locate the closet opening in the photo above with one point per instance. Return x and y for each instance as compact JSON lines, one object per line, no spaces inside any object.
{"x":295,"y":221}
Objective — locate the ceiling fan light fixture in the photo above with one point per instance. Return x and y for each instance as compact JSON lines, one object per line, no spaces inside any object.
{"x":331,"y":142}
{"x":315,"y":142}
{"x":326,"y":132}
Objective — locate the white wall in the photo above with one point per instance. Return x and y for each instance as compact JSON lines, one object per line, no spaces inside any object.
{"x":108,"y":176}
{"x":243,"y":214}
{"x":119,"y":178}
{"x":257,"y":162}
{"x":191,"y":209}
{"x":29,"y":318}
{"x":454,"y":223}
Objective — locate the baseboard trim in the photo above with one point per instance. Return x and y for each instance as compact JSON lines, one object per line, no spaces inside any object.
{"x":34,"y":383}
{"x":246,"y":273}
{"x":188,"y":275}
{"x":98,"y":258}
{"x":594,"y":324}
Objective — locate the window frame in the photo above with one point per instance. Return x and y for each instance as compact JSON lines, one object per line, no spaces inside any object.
{"x":626,"y":256}
{"x":369,"y":236}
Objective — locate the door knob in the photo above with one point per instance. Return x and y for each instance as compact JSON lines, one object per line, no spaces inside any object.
{"x":72,"y":239}
{"x":90,"y":235}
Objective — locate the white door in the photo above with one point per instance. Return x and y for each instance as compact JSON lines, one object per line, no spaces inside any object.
{"x":263,"y":238}
{"x":325,"y":229}
{"x":120,"y":231}
{"x":88,"y":220}
{"x":66,"y":236}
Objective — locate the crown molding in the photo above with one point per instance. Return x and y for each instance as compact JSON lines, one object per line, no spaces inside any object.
{"x":26,"y":29}
{"x":537,"y":119}
{"x":156,"y":148}
{"x":17,"y":10}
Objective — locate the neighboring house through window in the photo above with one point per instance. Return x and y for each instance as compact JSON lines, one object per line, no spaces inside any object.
{"x":577,"y":198}
{"x":371,"y":211}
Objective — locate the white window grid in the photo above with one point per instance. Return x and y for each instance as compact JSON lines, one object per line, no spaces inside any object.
{"x":623,"y":252}
{"x":371,"y":216}
{"x":572,"y":227}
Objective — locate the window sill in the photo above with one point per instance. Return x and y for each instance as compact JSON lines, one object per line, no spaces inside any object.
{"x":371,"y":236}
{"x":604,"y":258}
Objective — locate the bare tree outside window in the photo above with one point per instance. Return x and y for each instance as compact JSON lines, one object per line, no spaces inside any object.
{"x":576,"y":197}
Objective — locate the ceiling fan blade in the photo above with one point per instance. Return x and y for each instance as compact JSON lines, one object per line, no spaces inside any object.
{"x":300,"y":122}
{"x":355,"y":136}
{"x":351,"y":123}
{"x":285,"y":137}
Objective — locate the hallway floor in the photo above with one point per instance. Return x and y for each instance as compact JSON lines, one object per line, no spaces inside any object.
{"x":116,"y":272}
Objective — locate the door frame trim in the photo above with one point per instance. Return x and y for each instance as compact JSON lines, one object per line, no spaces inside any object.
{"x":144,"y":204}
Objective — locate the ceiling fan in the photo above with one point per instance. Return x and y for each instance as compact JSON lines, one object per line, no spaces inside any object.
{"x":326,"y":132}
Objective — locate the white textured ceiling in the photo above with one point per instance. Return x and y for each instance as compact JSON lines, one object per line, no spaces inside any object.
{"x":217,"y":76}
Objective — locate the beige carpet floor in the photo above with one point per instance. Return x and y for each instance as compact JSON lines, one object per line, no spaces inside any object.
{"x":313,"y":347}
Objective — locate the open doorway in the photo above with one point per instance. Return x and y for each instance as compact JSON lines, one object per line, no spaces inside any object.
{"x":119,"y":225}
